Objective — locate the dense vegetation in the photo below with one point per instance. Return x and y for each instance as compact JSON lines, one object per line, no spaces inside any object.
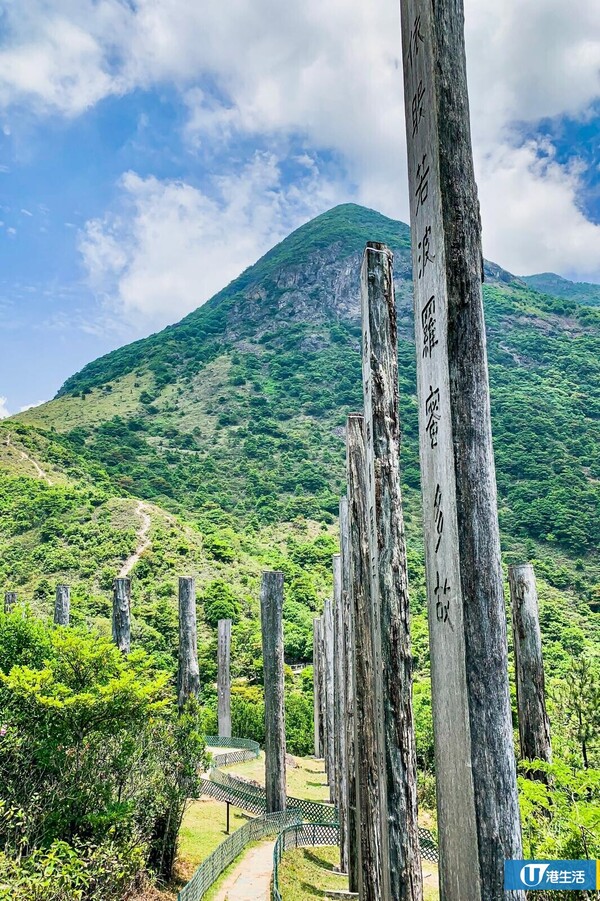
{"x":230,"y":428}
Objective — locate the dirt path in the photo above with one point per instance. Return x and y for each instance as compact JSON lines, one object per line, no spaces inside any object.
{"x":37,"y":467}
{"x":143,"y":540}
{"x":251,"y":879}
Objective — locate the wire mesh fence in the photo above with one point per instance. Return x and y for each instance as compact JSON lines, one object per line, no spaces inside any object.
{"x":301,"y":836}
{"x":210,"y":869}
{"x":312,"y":811}
{"x":239,"y":750}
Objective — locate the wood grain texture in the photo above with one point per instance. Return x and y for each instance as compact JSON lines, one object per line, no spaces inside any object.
{"x":330,"y":697}
{"x":271,"y":609}
{"x":121,"y":618}
{"x":534,"y":726}
{"x":62,"y":605}
{"x":369,"y":727}
{"x":316,"y":689}
{"x":224,"y":677}
{"x":353,"y":860}
{"x":340,"y":709}
{"x":478,"y":814}
{"x":388,"y":548}
{"x":189,"y":674}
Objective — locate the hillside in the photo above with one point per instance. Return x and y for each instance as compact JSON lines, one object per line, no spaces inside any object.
{"x":231,"y":424}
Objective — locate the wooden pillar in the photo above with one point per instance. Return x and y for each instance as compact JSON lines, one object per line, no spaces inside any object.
{"x":189,"y":672}
{"x":121,"y":619}
{"x":323,"y":693}
{"x":62,"y":606}
{"x":271,"y":607}
{"x":352,"y":841}
{"x":330,"y":696}
{"x":369,"y":735}
{"x":478,"y":812}
{"x":388,"y":548}
{"x":340,"y":710}
{"x":224,"y":677}
{"x":10,"y":601}
{"x":316,"y":699}
{"x":534,"y":726}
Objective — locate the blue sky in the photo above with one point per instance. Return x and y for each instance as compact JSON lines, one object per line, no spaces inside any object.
{"x":151,"y":150}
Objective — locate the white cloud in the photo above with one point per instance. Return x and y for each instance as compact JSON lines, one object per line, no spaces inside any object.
{"x":4,"y":411}
{"x":170,"y":246}
{"x":32,"y":406}
{"x":330,"y":72}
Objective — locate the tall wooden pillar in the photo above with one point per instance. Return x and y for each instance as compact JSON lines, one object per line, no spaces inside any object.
{"x":534,"y":726}
{"x":62,"y":606}
{"x":271,"y":607}
{"x":371,"y":780}
{"x":224,"y":677}
{"x":388,"y":549}
{"x":341,"y":750}
{"x":10,"y":601}
{"x":189,"y":672}
{"x":316,"y":689}
{"x":478,"y":811}
{"x":330,"y":697}
{"x":121,"y":619}
{"x":352,"y":840}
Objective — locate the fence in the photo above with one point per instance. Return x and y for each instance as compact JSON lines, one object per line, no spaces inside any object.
{"x":312,"y":811}
{"x":245,"y":749}
{"x":301,"y":836}
{"x":210,"y":870}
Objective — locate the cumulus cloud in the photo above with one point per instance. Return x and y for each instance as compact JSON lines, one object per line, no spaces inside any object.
{"x":330,"y":72}
{"x":4,"y":411}
{"x":169,"y":246}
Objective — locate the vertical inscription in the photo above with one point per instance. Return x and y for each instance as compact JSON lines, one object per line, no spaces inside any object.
{"x":459,"y":859}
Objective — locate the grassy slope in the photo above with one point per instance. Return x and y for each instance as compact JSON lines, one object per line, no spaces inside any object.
{"x":233,"y":420}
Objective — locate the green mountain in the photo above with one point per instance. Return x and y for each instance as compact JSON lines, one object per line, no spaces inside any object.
{"x":229,"y":426}
{"x":549,"y":283}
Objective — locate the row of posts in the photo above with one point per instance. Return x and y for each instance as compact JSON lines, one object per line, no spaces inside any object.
{"x":188,"y":671}
{"x":362,"y":667}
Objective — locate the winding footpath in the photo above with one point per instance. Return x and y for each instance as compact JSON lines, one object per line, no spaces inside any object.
{"x":250,"y":880}
{"x":143,"y":540}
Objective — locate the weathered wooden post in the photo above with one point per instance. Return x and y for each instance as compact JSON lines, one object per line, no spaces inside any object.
{"x":323,"y":693}
{"x":189,"y":672}
{"x":478,"y":813}
{"x":62,"y":606}
{"x":369,"y":737}
{"x":121,"y":619}
{"x":330,"y":697}
{"x":316,"y":699}
{"x":10,"y":601}
{"x":352,"y":840}
{"x":388,"y":550}
{"x":224,"y":678}
{"x":271,"y":608}
{"x":339,"y":626}
{"x":534,"y":726}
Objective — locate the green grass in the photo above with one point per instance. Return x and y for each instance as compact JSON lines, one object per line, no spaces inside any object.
{"x":306,"y":780}
{"x":202,"y":831}
{"x":308,"y":874}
